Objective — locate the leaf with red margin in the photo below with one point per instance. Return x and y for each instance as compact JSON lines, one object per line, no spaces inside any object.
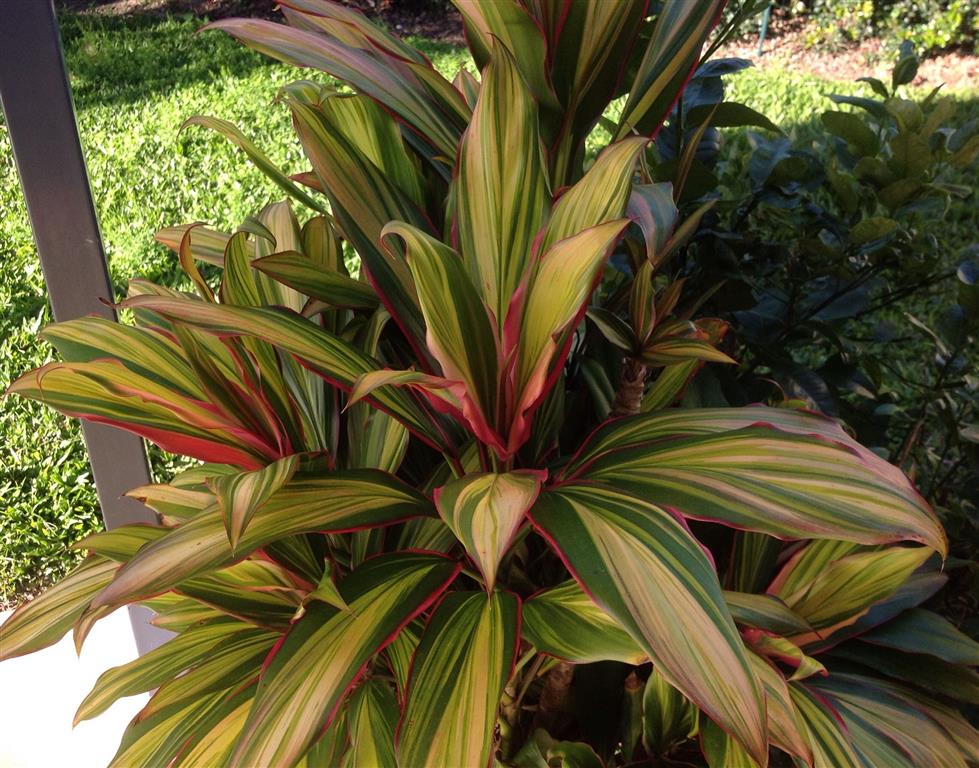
{"x":325,"y":652}
{"x":458,"y":674}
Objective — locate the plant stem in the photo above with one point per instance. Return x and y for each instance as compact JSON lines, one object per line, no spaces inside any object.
{"x":628,"y":398}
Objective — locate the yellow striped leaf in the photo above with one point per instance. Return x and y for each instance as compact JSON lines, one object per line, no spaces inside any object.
{"x":721,"y":750}
{"x":501,"y":184}
{"x":43,"y":621}
{"x":642,"y":565}
{"x":238,"y":496}
{"x":785,"y":727}
{"x":300,"y":272}
{"x":668,"y":716}
{"x":458,"y":675}
{"x":824,"y":730}
{"x":671,"y":56}
{"x":785,"y":473}
{"x":485,"y":512}
{"x":564,"y":622}
{"x":325,"y":652}
{"x":340,"y":501}
{"x":372,"y":718}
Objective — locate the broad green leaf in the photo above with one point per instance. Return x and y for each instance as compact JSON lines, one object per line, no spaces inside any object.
{"x":672,"y":54}
{"x":233,"y":134}
{"x":850,"y":586}
{"x":336,"y":502}
{"x":784,"y":473}
{"x":238,"y":496}
{"x":314,"y":280}
{"x":668,"y":717}
{"x":501,"y":184}
{"x":372,"y":718}
{"x":325,"y":652}
{"x":485,"y":511}
{"x":158,"y":666}
{"x":831,"y":746}
{"x":853,"y":129}
{"x":652,"y":208}
{"x":641,"y":564}
{"x":601,"y":195}
{"x":564,"y":622}
{"x":108,"y":393}
{"x":43,"y":621}
{"x":363,"y":201}
{"x":457,"y":679}
{"x":921,"y":631}
{"x":325,"y":354}
{"x":729,"y":114}
{"x":459,"y":331}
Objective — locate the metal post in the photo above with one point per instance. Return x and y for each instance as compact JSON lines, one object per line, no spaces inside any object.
{"x":40,"y":116}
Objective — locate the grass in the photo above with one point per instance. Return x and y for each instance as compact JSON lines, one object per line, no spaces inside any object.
{"x":135,"y":82}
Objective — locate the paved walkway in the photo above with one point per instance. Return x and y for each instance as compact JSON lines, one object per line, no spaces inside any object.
{"x":40,"y":693}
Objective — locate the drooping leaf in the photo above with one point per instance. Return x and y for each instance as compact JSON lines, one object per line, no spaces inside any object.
{"x":336,"y":502}
{"x":784,"y":473}
{"x":43,"y":621}
{"x":485,"y":511}
{"x":765,"y":612}
{"x":325,"y":651}
{"x":645,"y":569}
{"x":921,"y":631}
{"x":457,"y":679}
{"x":314,"y":280}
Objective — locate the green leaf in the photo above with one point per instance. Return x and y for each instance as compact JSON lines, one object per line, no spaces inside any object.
{"x":325,"y":652}
{"x":851,"y":585}
{"x":765,"y":612}
{"x":372,"y":718}
{"x":643,"y":567}
{"x":564,"y":622}
{"x":921,"y":631}
{"x":501,"y":184}
{"x":485,"y":511}
{"x":652,"y":208}
{"x":458,"y":675}
{"x":831,"y":746}
{"x":403,"y":87}
{"x":562,"y":284}
{"x":337,"y":502}
{"x":205,"y":244}
{"x":785,"y":726}
{"x":314,"y":280}
{"x":325,"y":354}
{"x":729,"y":114}
{"x":721,"y":750}
{"x":668,"y":717}
{"x":852,"y":129}
{"x":786,"y":473}
{"x":43,"y":621}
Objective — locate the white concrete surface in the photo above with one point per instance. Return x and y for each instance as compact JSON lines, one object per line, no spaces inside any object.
{"x":40,"y":693}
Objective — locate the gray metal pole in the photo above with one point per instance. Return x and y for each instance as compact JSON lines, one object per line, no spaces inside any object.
{"x":40,"y":116}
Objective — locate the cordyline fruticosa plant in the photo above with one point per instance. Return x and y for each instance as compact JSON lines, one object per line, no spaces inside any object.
{"x":423,"y":532}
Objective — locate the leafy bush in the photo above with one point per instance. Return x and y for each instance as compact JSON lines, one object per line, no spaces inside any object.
{"x":930,"y":25}
{"x":439,"y":519}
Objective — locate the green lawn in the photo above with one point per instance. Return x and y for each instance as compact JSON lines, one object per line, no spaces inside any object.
{"x":135,"y":82}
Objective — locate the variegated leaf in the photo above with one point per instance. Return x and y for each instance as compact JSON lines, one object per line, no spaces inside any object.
{"x":457,"y":679}
{"x":372,"y":718}
{"x":785,"y":473}
{"x":485,"y":511}
{"x":564,"y":622}
{"x":325,"y":652}
{"x":642,"y":565}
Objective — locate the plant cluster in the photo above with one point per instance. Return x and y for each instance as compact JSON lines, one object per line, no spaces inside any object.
{"x":444,"y":511}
